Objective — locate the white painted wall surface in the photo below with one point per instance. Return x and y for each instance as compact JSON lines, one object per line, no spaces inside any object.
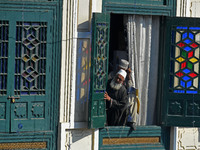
{"x":73,"y":132}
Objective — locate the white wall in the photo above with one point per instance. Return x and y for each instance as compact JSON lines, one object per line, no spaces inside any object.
{"x":76,"y":37}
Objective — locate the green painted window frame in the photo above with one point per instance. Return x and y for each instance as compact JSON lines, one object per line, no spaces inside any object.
{"x":142,"y":7}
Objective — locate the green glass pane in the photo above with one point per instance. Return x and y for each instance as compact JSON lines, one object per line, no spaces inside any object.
{"x":189,"y":65}
{"x":184,"y":54}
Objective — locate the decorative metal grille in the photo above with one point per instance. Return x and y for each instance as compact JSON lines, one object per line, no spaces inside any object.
{"x":184,"y":60}
{"x":101,"y":57}
{"x":30,"y":58}
{"x":4,"y":31}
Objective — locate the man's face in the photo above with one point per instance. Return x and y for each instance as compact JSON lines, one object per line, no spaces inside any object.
{"x":119,"y":79}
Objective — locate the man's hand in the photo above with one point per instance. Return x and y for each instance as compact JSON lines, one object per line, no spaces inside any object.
{"x":106,"y":96}
{"x":129,"y":73}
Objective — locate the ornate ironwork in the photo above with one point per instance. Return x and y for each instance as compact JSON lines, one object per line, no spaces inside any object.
{"x":30,"y":58}
{"x":101,"y":57}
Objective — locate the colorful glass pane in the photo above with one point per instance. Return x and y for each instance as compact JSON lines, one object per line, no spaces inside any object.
{"x":189,"y":83}
{"x":186,"y":78}
{"x":187,"y":41}
{"x":190,"y":54}
{"x":193,"y":45}
{"x":191,"y":36}
{"x":189,"y":65}
{"x":30,"y":58}
{"x":180,"y":59}
{"x":192,"y":75}
{"x":186,"y":71}
{"x":185,"y":67}
{"x":184,"y":54}
{"x":181,"y":44}
{"x":193,"y":60}
{"x":184,"y":36}
{"x":187,"y":48}
{"x":194,"y":28}
{"x":182,"y":27}
{"x":182,"y":83}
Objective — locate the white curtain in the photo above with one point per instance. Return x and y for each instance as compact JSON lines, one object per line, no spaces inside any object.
{"x":143,"y":44}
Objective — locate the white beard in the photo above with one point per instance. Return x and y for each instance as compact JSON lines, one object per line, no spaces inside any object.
{"x":114,"y":85}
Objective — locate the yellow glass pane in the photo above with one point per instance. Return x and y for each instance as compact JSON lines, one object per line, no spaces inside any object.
{"x":191,"y":88}
{"x":34,"y":58}
{"x":82,"y":93}
{"x":195,"y":82}
{"x":178,"y":37}
{"x":196,"y":53}
{"x":82,"y":77}
{"x":177,"y":52}
{"x":83,"y":62}
{"x":196,"y":67}
{"x":176,"y":67}
{"x":180,"y":59}
{"x":25,"y":58}
{"x":193,"y":60}
{"x":176,"y":81}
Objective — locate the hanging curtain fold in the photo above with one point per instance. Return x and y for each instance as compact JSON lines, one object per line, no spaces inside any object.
{"x":143,"y":44}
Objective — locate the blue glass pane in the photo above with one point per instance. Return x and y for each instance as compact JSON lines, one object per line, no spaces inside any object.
{"x":179,"y":91}
{"x":189,"y":84}
{"x":187,"y":41}
{"x":186,"y":70}
{"x":191,"y":36}
{"x":187,"y":48}
{"x":186,"y":78}
{"x":194,"y":28}
{"x":191,"y":92}
{"x":182,"y":83}
{"x":184,"y":36}
{"x":181,"y":27}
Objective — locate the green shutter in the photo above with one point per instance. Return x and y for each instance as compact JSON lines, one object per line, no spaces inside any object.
{"x":181,"y":73}
{"x":99,"y":69}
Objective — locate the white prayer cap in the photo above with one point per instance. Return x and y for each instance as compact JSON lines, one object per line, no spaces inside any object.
{"x":123,"y":64}
{"x":122,"y":72}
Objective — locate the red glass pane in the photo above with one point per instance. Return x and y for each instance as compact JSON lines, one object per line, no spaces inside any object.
{"x":179,"y":74}
{"x":190,"y":54}
{"x":192,"y":75}
{"x":193,"y":45}
{"x":183,"y":65}
{"x":181,"y":44}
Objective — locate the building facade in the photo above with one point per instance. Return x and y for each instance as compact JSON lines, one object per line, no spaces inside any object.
{"x":55,"y":57}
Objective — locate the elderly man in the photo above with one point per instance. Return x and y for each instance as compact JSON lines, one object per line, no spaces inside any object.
{"x":116,"y":100}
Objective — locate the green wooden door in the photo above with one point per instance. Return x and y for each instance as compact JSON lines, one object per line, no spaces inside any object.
{"x":25,"y":72}
{"x":181,"y":94}
{"x":99,"y":69}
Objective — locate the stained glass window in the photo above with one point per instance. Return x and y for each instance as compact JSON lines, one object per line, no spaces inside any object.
{"x":30,"y":58}
{"x":184,"y":60}
{"x":3,"y":56}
